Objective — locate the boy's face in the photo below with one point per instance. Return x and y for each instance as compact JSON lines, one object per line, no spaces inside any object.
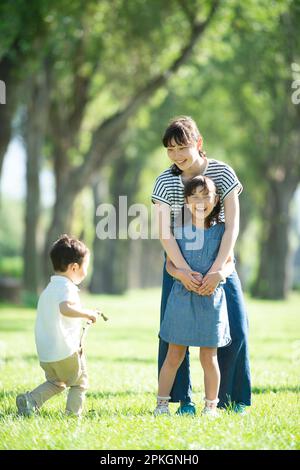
{"x":78,"y":273}
{"x":184,"y":155}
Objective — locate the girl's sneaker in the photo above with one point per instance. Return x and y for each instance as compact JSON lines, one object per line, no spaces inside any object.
{"x":210,"y":412}
{"x":25,"y":404}
{"x":162,"y":407}
{"x":210,"y":408}
{"x":162,"y":410}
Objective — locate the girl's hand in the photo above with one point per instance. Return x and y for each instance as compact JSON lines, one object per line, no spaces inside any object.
{"x":190,"y":279}
{"x":210,"y":283}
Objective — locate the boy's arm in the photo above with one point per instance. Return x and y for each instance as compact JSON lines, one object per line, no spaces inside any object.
{"x":73,"y":310}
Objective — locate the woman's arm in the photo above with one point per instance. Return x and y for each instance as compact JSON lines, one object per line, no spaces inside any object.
{"x":221,"y":275}
{"x":163,"y":217}
{"x":169,"y":244}
{"x":179,"y":273}
{"x":232,"y":220}
{"x":227,"y":269}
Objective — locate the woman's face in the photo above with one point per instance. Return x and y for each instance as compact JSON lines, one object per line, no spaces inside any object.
{"x":202,"y":202}
{"x":184,"y":156}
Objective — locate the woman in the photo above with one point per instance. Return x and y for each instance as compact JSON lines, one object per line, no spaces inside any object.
{"x":184,"y":146}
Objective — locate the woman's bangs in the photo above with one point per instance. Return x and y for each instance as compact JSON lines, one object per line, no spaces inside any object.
{"x":177,"y":134}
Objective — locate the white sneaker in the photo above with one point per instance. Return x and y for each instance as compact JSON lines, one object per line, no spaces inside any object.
{"x":213,"y":412}
{"x":210,"y":408}
{"x":25,"y":404}
{"x":161,"y":410}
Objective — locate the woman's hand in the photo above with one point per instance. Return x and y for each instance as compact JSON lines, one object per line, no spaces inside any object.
{"x":210,"y":282}
{"x":190,"y":279}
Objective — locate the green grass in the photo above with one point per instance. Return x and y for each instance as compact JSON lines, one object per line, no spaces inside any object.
{"x":122,"y":368}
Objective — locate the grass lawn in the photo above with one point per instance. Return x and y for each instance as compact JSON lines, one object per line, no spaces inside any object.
{"x":122,"y":368}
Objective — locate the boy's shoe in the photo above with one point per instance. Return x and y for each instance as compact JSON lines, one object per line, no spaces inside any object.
{"x":187,"y":409}
{"x":25,"y":404}
{"x":161,"y":410}
{"x":70,"y":414}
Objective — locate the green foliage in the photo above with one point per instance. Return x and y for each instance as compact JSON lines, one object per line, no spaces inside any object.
{"x":11,"y":266}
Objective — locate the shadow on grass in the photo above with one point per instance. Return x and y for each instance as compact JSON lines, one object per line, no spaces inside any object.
{"x":126,"y":360}
{"x":120,"y":394}
{"x":15,"y":329}
{"x":26,"y":358}
{"x":138,"y":360}
{"x":274,"y":389}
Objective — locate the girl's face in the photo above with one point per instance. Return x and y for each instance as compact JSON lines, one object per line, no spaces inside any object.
{"x":185,"y":155}
{"x":202,"y":202}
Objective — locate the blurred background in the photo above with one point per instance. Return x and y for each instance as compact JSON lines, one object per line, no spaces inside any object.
{"x":89,"y":89}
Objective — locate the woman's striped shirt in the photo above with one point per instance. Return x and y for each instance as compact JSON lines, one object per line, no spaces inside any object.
{"x":169,"y":188}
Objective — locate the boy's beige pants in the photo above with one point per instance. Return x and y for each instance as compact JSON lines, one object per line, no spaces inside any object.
{"x":70,"y":372}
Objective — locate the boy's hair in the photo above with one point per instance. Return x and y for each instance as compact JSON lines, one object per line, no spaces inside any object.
{"x":204,"y":183}
{"x":184,"y":131}
{"x":67,"y":250}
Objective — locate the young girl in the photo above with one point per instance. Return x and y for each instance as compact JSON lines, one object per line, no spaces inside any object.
{"x":191,"y":319}
{"x":184,"y":146}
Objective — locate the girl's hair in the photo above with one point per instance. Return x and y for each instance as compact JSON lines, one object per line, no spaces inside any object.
{"x":205,"y":184}
{"x":184,"y":131}
{"x":67,"y":250}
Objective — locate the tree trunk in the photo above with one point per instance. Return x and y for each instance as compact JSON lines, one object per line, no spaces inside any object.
{"x":111,"y":256}
{"x":35,"y":127}
{"x":7,"y":110}
{"x":61,"y":223}
{"x":273,"y":279}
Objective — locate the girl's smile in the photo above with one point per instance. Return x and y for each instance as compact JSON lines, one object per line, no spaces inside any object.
{"x":201,"y":203}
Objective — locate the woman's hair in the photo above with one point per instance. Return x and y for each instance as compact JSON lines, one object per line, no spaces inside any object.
{"x":67,"y":250}
{"x":205,"y":184}
{"x":184,"y":131}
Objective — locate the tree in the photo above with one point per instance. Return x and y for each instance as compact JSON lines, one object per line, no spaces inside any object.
{"x":67,"y":114}
{"x":21,"y":29}
{"x":36,"y":120}
{"x":263,"y":53}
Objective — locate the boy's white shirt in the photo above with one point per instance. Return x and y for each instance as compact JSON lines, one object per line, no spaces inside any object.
{"x":57,"y":336}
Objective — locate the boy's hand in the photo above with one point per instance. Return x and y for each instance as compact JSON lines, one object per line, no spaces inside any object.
{"x":92,"y":315}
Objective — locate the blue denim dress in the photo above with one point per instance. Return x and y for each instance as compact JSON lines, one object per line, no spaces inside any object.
{"x":191,"y":319}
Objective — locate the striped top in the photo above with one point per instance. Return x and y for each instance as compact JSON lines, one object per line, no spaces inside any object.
{"x":169,"y":188}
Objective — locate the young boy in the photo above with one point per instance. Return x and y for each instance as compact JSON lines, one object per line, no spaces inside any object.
{"x":58,"y":328}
